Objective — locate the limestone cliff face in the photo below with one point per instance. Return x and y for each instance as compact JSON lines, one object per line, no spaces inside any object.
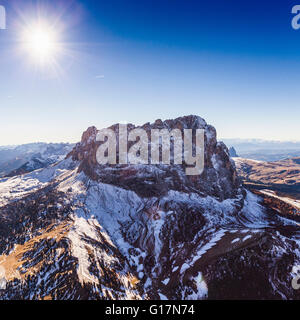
{"x":219,"y":178}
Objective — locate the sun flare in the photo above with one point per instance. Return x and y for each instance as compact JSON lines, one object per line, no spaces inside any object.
{"x":41,"y":43}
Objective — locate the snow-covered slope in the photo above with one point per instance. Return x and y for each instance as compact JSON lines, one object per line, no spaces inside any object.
{"x":17,"y":160}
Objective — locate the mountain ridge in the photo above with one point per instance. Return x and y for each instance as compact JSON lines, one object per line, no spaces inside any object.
{"x":29,"y":157}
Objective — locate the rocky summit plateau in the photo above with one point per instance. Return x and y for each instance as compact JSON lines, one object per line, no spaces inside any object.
{"x":79,"y":230}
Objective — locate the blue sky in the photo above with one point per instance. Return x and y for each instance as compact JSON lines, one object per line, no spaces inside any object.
{"x":234,"y":63}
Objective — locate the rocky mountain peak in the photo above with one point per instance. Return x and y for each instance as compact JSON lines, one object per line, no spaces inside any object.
{"x":89,"y":134}
{"x":219,"y":178}
{"x":232,"y":152}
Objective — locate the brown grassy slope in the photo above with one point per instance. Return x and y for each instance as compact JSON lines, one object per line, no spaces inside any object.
{"x":283,"y":177}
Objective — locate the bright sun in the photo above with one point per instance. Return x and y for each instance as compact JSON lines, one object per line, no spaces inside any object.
{"x":40,"y":42}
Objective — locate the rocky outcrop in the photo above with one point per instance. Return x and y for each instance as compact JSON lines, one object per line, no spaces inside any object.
{"x":218,"y":179}
{"x":232,"y":152}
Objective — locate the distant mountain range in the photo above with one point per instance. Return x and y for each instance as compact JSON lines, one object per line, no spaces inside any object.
{"x":264,"y":150}
{"x":15,"y":160}
{"x":20,"y":159}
